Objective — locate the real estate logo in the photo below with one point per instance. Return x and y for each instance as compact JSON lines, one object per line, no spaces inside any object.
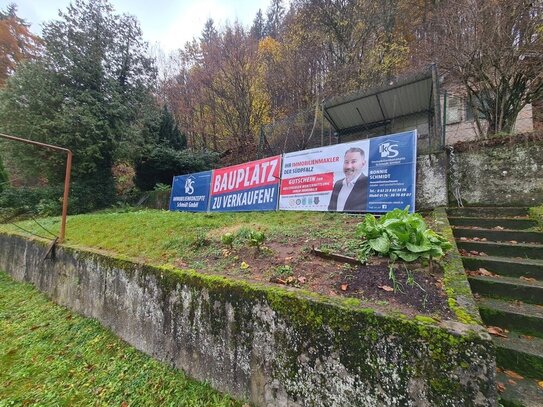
{"x":189,"y":186}
{"x":388,"y":149}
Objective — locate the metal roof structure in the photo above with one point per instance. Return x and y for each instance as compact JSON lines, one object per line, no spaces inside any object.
{"x":378,"y":107}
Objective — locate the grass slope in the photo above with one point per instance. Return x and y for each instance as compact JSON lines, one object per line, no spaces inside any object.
{"x":161,"y":237}
{"x":52,"y":357}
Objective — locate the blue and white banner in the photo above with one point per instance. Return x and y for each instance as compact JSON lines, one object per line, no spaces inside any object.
{"x":392,"y":172}
{"x":191,"y":192}
{"x":372,"y":175}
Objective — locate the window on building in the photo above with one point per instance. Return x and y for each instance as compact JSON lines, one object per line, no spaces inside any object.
{"x":454,"y":114}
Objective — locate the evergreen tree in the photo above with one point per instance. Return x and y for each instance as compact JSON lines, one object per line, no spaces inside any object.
{"x":86,"y":94}
{"x":168,"y":132}
{"x":258,"y":27}
{"x":3,"y":176}
{"x":274,"y":18}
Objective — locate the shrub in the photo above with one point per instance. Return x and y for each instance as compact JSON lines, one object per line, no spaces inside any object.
{"x":161,"y":164}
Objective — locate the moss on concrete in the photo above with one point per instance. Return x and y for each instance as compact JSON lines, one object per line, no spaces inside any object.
{"x":456,"y":285}
{"x":320,"y":342}
{"x":536,"y":213}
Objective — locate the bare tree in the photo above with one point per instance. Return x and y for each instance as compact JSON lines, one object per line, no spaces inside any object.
{"x":494,"y":49}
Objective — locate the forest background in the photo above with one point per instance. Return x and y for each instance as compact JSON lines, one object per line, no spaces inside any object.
{"x":135,"y":117}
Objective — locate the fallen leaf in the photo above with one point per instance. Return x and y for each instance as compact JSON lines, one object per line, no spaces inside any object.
{"x":483,"y":239}
{"x":484,"y":272}
{"x":124,"y":404}
{"x":290,"y":280}
{"x":513,"y":375}
{"x":301,"y":280}
{"x":529,"y":279}
{"x":244,"y":266}
{"x":474,"y":252}
{"x":500,"y":387}
{"x":482,"y":254}
{"x":386,"y":288}
{"x":511,"y":381}
{"x":540,"y":384}
{"x":332,"y":293}
{"x":344,"y":287}
{"x":288,"y":258}
{"x":476,"y":239}
{"x":180,"y":263}
{"x":496,"y":331}
{"x":463,"y":238}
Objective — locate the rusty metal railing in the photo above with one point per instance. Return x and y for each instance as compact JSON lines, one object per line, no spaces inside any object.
{"x":66,"y":178}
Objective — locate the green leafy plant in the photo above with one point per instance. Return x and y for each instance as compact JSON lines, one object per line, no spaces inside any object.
{"x":162,"y":187}
{"x":399,"y":235}
{"x":284,"y":270}
{"x":256,"y":239}
{"x":228,"y":239}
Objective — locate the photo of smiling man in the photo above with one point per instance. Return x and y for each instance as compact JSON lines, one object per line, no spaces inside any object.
{"x":350,"y":194}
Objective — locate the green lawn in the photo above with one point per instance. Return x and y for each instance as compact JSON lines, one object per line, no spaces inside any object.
{"x":162,"y":237}
{"x":50,"y":356}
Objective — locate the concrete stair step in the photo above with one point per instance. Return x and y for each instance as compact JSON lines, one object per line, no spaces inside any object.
{"x":494,"y":235}
{"x":505,"y":266}
{"x":520,"y":354}
{"x":519,"y":392}
{"x":515,"y":316}
{"x":523,"y":250}
{"x":508,"y":288}
{"x":488,"y":212}
{"x":489,"y":223}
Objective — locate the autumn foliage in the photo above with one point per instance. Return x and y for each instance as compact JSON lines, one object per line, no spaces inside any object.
{"x":17,"y":43}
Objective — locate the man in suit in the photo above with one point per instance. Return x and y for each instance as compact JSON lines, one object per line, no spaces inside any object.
{"x":351,"y":192}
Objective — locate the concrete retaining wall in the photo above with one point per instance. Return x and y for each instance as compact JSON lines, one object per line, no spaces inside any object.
{"x":272,"y":346}
{"x":500,"y":172}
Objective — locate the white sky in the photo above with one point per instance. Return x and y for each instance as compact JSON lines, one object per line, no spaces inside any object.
{"x":169,"y":23}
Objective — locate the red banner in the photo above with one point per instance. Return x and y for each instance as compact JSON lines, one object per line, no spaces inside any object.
{"x":308,"y":184}
{"x":254,"y":174}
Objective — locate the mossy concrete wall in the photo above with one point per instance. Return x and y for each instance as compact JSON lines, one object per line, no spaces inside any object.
{"x":431,"y":187}
{"x":499,"y":172}
{"x":274,"y":347}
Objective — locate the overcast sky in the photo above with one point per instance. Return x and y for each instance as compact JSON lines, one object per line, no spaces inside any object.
{"x":170,"y":23}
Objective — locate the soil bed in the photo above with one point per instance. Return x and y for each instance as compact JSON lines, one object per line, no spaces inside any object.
{"x":292,"y":264}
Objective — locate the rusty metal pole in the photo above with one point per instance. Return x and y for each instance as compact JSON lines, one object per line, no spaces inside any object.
{"x":65,"y":199}
{"x":66,"y":179}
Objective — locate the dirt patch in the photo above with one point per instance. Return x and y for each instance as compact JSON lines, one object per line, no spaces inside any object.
{"x":417,"y":290}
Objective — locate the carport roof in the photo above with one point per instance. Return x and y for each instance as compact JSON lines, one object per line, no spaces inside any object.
{"x":371,"y":108}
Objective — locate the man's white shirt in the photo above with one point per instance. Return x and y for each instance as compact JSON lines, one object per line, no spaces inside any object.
{"x":345,"y":191}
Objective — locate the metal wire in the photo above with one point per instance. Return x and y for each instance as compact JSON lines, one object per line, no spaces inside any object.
{"x":29,"y":232}
{"x":41,"y":226}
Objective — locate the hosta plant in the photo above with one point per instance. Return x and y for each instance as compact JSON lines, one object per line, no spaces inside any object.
{"x":399,"y":235}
